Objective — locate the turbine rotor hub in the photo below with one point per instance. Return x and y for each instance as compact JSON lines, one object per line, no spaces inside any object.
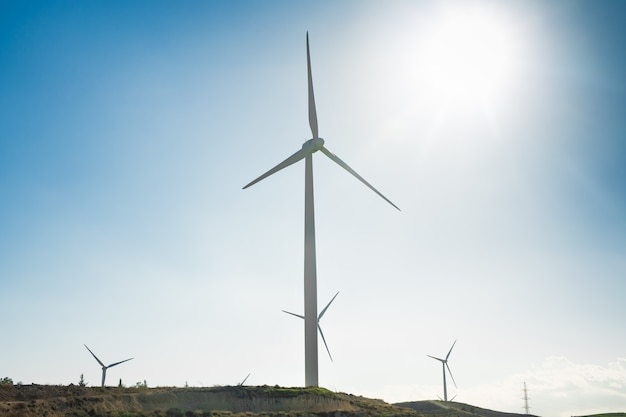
{"x":313,"y":145}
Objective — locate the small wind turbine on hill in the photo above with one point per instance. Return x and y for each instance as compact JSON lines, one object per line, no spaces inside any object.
{"x":444,"y":364}
{"x":105,"y":367}
{"x":310,"y":275}
{"x":318,"y":323}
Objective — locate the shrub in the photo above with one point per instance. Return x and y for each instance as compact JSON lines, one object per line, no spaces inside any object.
{"x":6,"y":381}
{"x":174,"y":412}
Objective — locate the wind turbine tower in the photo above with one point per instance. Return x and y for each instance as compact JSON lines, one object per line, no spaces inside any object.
{"x":105,"y":367}
{"x":310,"y":274}
{"x":444,"y":365}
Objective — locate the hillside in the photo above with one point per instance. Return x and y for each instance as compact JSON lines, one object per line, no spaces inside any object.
{"x":76,"y":401}
{"x":606,"y":415}
{"x":451,"y":408}
{"x":231,"y":401}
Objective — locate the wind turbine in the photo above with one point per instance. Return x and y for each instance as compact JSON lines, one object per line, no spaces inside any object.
{"x":444,"y":364}
{"x":318,"y":323}
{"x":310,"y":275}
{"x":105,"y":367}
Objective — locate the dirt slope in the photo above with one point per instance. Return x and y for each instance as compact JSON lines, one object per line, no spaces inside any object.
{"x":65,"y":401}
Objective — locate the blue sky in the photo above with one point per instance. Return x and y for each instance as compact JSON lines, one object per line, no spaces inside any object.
{"x":127,"y":130}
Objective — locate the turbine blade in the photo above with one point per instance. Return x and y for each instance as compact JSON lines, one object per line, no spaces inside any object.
{"x":450,"y":372}
{"x":312,"y":112}
{"x":117,"y":363}
{"x":293,"y":314}
{"x":99,"y":361}
{"x":326,"y":308}
{"x":450,"y":351}
{"x":351,"y":171}
{"x":440,"y":360}
{"x":324,"y":340}
{"x":289,"y":161}
{"x":244,"y":380}
{"x":452,"y":399}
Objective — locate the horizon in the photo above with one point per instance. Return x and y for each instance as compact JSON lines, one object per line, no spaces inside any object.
{"x":127,"y":131}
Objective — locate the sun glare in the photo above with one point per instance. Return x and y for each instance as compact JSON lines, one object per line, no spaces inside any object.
{"x":469,"y":55}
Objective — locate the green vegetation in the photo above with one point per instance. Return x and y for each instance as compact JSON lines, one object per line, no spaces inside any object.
{"x":607,"y":415}
{"x":175,"y":412}
{"x":143,"y":384}
{"x":6,"y":381}
{"x":293,"y":392}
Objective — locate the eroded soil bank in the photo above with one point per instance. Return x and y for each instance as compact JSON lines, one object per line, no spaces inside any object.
{"x":63,"y":401}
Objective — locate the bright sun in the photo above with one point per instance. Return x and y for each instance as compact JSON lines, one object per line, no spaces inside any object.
{"x":469,"y":55}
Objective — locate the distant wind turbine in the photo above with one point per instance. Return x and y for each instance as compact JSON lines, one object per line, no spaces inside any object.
{"x":310,"y":275}
{"x":444,"y":364}
{"x":318,"y":323}
{"x":105,"y":367}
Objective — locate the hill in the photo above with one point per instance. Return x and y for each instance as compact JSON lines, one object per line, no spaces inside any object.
{"x":451,"y":408}
{"x":606,"y":415}
{"x":230,"y":401}
{"x":264,"y":401}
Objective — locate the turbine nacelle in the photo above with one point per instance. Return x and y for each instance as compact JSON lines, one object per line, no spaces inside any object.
{"x":313,"y":145}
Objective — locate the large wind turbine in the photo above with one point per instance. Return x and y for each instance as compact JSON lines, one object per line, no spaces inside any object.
{"x":444,"y":364}
{"x":310,"y":280}
{"x":105,"y":367}
{"x":318,"y":323}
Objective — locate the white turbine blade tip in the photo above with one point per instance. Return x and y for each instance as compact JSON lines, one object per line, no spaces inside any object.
{"x":326,"y":308}
{"x":324,"y":340}
{"x":244,"y":380}
{"x":293,"y":314}
{"x":117,"y":363}
{"x":287,"y":162}
{"x":93,"y":354}
{"x":450,"y":372}
{"x":450,"y":351}
{"x":345,"y":166}
{"x":312,"y":111}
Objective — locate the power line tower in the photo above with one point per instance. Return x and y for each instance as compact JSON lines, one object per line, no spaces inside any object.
{"x":525,"y":398}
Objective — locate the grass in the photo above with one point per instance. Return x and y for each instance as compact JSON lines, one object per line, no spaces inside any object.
{"x":606,"y":415}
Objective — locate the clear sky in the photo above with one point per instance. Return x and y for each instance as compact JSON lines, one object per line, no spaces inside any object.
{"x":127,"y":130}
